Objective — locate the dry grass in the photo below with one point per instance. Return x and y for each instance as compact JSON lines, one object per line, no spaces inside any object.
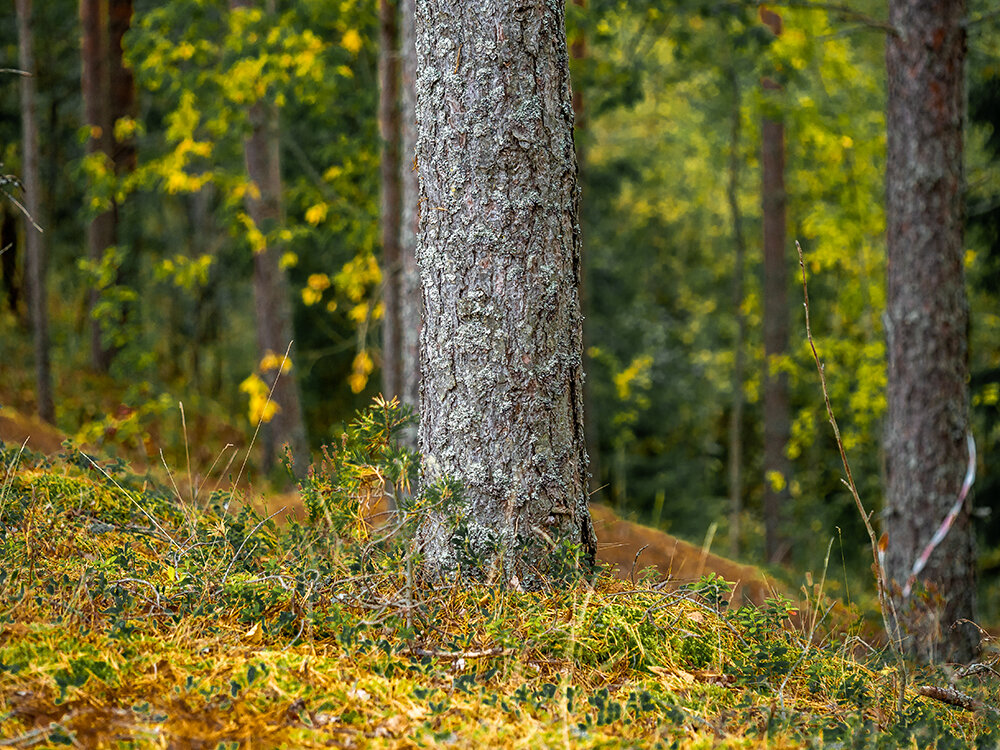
{"x":131,"y":618}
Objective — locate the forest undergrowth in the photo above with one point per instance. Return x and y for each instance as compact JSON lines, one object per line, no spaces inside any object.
{"x":137,"y":614}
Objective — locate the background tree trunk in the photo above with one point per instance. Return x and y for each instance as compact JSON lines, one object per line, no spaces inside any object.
{"x":411,"y":304}
{"x":95,"y":84}
{"x":272,"y":294}
{"x":121,"y":84}
{"x":578,"y":51}
{"x":499,"y":254}
{"x":391,"y":208}
{"x":735,"y":457}
{"x":8,"y":259}
{"x":927,"y":324}
{"x":777,"y":419}
{"x":34,"y":241}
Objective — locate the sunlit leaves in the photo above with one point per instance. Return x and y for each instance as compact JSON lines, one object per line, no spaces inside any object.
{"x":316,"y":214}
{"x":358,"y":276}
{"x":315,"y":286}
{"x":261,"y":408}
{"x":351,"y":41}
{"x":660,"y":237}
{"x":186,"y":273}
{"x":360,"y":370}
{"x":208,"y":66}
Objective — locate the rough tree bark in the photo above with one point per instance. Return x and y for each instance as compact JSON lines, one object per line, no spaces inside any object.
{"x":391,"y":208}
{"x":411,"y":304}
{"x":34,"y":241}
{"x":926,"y":325}
{"x":95,"y":85}
{"x":272,"y":294}
{"x":499,"y":254}
{"x":777,"y":419}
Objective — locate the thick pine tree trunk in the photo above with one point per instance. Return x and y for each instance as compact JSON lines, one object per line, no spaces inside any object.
{"x":389,"y":128}
{"x":272,"y":294}
{"x":926,"y":325}
{"x":34,"y":240}
{"x":499,"y":254}
{"x":411,"y":304}
{"x":95,"y":84}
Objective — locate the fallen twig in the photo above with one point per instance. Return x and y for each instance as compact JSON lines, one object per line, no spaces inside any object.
{"x":955,"y":698}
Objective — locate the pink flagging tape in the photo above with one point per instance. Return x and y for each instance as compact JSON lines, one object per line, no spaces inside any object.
{"x":945,"y":527}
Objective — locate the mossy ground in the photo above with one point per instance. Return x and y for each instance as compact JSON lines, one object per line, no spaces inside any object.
{"x":132,"y":617}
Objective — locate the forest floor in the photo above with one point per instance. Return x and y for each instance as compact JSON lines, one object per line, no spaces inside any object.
{"x":133,"y":615}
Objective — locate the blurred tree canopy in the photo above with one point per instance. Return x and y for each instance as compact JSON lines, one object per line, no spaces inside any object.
{"x":660,"y":85}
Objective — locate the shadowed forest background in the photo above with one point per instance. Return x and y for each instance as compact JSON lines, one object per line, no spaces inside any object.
{"x":672,"y":104}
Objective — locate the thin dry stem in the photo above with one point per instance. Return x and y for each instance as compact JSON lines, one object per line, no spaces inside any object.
{"x":886,"y":606}
{"x":260,"y":421}
{"x":187,"y":454}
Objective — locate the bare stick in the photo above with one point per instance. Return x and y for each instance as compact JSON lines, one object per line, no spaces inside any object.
{"x":955,"y":698}
{"x":246,"y":538}
{"x":479,"y":654}
{"x":187,"y":454}
{"x":886,"y":605}
{"x":131,"y":499}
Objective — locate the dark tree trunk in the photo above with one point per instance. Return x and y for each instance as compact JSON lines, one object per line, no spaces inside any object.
{"x":272,"y":294}
{"x":411,"y":304}
{"x":578,"y":51}
{"x":121,"y":84}
{"x":777,"y":419}
{"x":95,"y":84}
{"x":8,"y":258}
{"x":389,"y":128}
{"x":926,"y":325}
{"x":735,"y":462}
{"x":776,"y":409}
{"x":34,"y":241}
{"x":499,"y":254}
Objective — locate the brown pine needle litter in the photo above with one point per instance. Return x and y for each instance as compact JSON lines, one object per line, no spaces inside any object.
{"x":209,"y":629}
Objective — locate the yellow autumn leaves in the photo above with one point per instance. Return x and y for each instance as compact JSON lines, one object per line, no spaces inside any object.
{"x":262,"y":407}
{"x":357,"y":280}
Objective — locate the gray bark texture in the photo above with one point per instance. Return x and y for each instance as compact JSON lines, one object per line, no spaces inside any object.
{"x":389,"y":129}
{"x":34,"y":241}
{"x":499,"y":255}
{"x":272,"y":294}
{"x":411,"y":304}
{"x":926,"y":325}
